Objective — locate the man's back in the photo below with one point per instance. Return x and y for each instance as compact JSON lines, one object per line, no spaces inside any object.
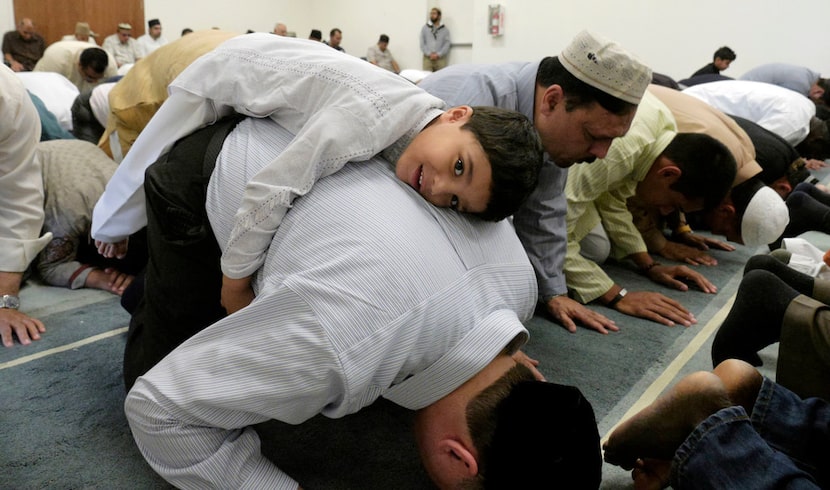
{"x":367,"y":291}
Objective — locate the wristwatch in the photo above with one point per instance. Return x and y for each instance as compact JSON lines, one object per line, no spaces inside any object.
{"x":9,"y":301}
{"x":620,"y":295}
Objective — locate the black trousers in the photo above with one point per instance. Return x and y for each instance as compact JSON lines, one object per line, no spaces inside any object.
{"x":183,"y":278}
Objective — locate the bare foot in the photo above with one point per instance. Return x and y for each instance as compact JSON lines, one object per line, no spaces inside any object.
{"x":659,"y":429}
{"x":742,"y":382}
{"x":651,"y":474}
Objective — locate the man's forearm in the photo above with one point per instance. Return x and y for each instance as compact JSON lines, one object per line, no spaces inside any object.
{"x":10,"y":282}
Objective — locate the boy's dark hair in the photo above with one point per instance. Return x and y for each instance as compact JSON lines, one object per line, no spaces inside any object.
{"x":533,"y":434}
{"x":724,"y":53}
{"x":515,"y":152}
{"x":708,"y":167}
{"x":95,"y":58}
{"x":316,"y":34}
{"x":383,"y":38}
{"x":578,"y":93}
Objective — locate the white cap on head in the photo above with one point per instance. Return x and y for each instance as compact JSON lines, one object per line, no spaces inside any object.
{"x":765,"y":218}
{"x":604,"y":64}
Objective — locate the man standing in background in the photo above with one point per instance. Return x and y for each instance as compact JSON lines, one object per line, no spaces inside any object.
{"x":435,"y":42}
{"x":23,"y":47}
{"x":152,"y":40}
{"x":381,"y":56}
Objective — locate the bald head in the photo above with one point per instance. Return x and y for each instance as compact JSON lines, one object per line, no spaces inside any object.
{"x":26,"y":28}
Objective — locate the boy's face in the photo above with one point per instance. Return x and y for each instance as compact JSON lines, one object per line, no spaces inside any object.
{"x":447,"y":165}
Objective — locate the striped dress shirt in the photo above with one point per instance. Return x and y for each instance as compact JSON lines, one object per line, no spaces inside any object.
{"x":367,"y":291}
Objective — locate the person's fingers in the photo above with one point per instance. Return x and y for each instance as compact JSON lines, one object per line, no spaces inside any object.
{"x":702,"y":282}
{"x":566,"y":322}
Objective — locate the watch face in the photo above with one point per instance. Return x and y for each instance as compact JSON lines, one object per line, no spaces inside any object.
{"x":9,"y":301}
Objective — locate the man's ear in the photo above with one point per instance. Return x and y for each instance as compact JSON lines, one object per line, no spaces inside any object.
{"x":461,"y":113}
{"x":552,"y":96}
{"x":457,"y":459}
{"x":726,"y":210}
{"x":672,"y":171}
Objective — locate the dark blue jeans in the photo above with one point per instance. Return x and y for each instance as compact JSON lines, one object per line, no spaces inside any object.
{"x":785,"y":443}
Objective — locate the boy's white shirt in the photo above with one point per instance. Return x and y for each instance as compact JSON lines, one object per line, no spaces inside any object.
{"x":339,"y":107}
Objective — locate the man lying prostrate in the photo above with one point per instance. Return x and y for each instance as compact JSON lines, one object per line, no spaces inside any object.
{"x":753,"y":214}
{"x":667,"y":170}
{"x":341,"y":109}
{"x":780,"y":110}
{"x":367,"y":291}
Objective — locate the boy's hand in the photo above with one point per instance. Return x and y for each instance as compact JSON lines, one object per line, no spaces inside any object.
{"x":236,"y":293}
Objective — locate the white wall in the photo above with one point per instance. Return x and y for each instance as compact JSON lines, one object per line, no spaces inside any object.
{"x":674,"y":38}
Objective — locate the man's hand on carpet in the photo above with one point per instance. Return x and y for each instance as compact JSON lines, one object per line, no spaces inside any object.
{"x":109,"y":279}
{"x":567,"y":312}
{"x":655,"y":307}
{"x":684,"y":253}
{"x":14,"y":322}
{"x":668,"y":275}
{"x":701,"y":242}
{"x":532,"y":364}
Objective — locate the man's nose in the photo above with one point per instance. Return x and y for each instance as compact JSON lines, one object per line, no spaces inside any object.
{"x":600,"y":148}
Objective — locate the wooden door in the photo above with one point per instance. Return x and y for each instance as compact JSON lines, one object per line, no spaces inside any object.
{"x":54,"y":19}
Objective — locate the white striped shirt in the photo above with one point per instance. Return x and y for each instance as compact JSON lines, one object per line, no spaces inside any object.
{"x":367,"y":291}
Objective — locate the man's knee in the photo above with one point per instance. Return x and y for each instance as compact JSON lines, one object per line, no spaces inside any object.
{"x":596,"y":246}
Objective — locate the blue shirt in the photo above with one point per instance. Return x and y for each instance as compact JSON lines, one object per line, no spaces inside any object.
{"x":540,"y":223}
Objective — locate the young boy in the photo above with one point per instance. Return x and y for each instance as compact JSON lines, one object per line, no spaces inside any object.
{"x":477,"y":160}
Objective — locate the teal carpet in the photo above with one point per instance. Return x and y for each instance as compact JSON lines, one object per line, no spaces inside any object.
{"x":63,"y":424}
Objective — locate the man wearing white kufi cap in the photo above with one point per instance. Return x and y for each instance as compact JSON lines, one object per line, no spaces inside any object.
{"x":579,"y":102}
{"x":752,"y":214}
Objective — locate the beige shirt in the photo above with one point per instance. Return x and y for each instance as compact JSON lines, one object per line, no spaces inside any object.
{"x":597,"y":193}
{"x":64,"y":57}
{"x":21,"y":183}
{"x":692,"y":115}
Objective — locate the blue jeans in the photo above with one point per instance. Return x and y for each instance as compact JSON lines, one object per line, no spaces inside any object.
{"x":784,"y":444}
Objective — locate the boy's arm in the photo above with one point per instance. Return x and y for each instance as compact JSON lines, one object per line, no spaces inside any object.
{"x":329,"y":139}
{"x":121,"y":210}
{"x":236,"y":293}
